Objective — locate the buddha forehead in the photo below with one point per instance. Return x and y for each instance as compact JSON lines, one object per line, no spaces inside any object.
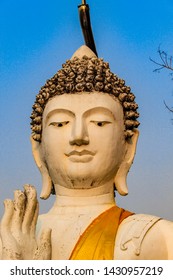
{"x":85,"y":103}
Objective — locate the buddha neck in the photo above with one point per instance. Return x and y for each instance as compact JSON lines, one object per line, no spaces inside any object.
{"x":100,"y":197}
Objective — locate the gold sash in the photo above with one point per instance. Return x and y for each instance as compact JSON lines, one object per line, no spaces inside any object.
{"x":98,"y":240}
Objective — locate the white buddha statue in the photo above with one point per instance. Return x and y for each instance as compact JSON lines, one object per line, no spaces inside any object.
{"x":84,"y":125}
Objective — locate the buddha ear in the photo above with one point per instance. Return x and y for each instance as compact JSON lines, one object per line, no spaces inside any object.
{"x":121,"y":176}
{"x":46,"y":180}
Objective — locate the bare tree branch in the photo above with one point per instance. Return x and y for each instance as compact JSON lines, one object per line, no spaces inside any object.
{"x":166,"y":61}
{"x":171,"y":110}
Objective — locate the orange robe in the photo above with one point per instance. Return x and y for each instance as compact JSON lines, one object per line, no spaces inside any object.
{"x":98,"y":240}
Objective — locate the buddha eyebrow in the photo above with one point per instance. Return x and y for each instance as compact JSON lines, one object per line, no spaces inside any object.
{"x":66,"y":111}
{"x":100,"y":109}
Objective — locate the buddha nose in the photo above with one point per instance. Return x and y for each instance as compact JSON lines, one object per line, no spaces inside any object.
{"x":79,"y":134}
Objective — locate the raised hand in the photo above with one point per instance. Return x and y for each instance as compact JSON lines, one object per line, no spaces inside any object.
{"x":18,"y":227}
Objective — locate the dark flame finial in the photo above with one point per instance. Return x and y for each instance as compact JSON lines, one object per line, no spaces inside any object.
{"x":85,"y":22}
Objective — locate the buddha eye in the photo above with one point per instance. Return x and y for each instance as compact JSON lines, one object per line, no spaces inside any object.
{"x":100,"y":123}
{"x":59,"y":124}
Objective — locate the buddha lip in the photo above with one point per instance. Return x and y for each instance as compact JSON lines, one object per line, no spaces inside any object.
{"x":81,"y":153}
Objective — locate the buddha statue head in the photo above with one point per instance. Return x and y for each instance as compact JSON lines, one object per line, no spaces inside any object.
{"x":84,"y":126}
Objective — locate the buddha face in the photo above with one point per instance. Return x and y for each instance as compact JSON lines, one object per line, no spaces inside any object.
{"x":83,"y":139}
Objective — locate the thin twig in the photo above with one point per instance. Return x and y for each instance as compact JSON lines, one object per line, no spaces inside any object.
{"x":171,"y":110}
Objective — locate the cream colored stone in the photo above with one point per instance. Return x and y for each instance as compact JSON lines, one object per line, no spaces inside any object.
{"x":79,"y":203}
{"x":144,"y":237}
{"x":83,"y":50}
{"x":83,"y":152}
{"x":83,"y":131}
{"x":18,"y":240}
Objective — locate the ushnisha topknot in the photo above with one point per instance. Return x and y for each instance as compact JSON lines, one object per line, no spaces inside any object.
{"x":85,"y":74}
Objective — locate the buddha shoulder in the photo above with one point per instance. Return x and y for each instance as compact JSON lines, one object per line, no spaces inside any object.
{"x":142,"y":237}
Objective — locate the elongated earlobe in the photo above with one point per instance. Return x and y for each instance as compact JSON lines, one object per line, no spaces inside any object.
{"x":120,"y":180}
{"x":46,"y":180}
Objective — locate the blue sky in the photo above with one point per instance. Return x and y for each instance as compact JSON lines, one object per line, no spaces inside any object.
{"x":36,"y":37}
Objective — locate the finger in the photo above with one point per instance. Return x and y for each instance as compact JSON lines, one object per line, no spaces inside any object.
{"x":34,"y":221}
{"x":31,"y":203}
{"x":10,"y":250}
{"x":19,"y":209}
{"x":44,"y":249}
{"x":7,"y":217}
